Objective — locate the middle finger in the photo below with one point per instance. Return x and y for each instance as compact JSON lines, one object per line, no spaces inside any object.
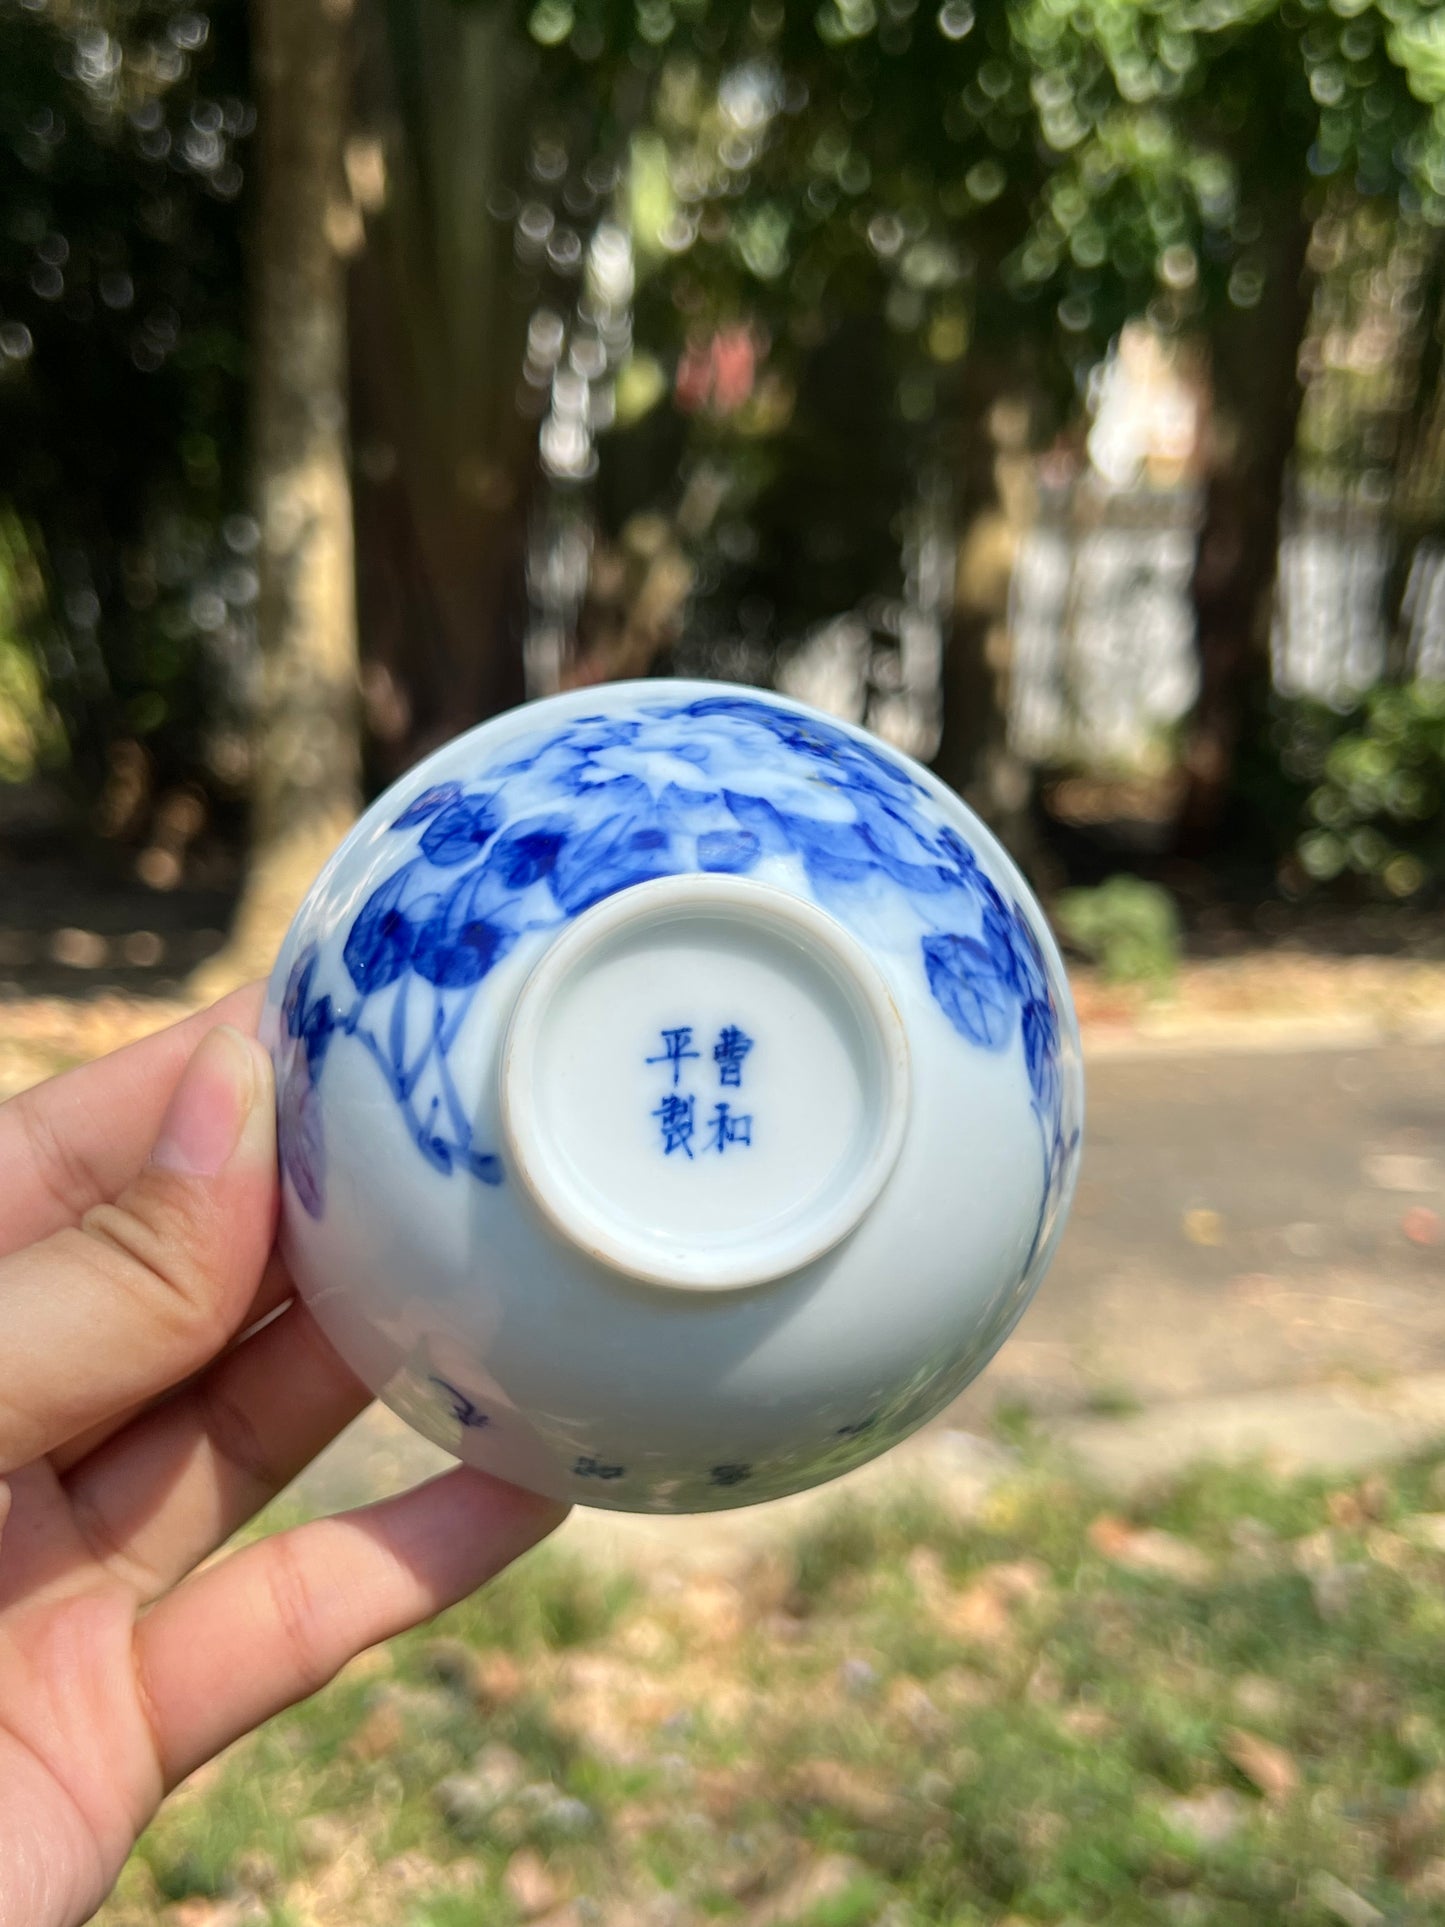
{"x":161,"y":1495}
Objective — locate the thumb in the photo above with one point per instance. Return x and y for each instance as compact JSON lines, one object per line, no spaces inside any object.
{"x":107,"y":1314}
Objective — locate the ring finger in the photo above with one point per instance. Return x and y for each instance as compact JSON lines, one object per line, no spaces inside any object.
{"x":165,"y":1492}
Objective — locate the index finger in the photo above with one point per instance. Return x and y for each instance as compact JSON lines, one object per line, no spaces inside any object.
{"x":79,"y":1138}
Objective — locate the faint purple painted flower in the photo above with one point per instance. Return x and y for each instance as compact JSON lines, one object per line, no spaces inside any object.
{"x":298,"y":1124}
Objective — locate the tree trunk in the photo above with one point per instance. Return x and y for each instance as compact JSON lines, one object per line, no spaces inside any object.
{"x":306,"y":749}
{"x":1256,"y":404}
{"x":446,"y":460}
{"x":994,"y":486}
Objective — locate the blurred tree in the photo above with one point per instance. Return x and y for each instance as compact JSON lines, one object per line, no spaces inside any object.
{"x":1225,"y":127}
{"x":305,"y":756}
{"x":123,"y":133}
{"x":446,"y":460}
{"x":822,"y":209}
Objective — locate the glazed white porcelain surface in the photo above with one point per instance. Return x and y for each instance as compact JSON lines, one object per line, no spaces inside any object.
{"x":679,"y":1096}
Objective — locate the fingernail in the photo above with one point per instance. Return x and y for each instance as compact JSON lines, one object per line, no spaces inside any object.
{"x":206,"y":1116}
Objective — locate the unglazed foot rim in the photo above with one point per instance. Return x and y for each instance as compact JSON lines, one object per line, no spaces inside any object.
{"x":823,"y":1089}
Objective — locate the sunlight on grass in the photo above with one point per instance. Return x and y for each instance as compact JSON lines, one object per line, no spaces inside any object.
{"x":1227,"y":1705}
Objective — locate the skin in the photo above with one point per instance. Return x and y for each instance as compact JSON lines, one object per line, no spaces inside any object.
{"x":142,"y":1420}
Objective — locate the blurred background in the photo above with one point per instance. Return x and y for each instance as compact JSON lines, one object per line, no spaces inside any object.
{"x":1055,"y":387}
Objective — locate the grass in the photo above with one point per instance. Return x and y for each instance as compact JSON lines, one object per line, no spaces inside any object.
{"x":1227,"y":1706}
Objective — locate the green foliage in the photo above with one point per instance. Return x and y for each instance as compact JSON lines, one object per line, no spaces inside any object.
{"x":878,"y":216}
{"x":961,"y":1719}
{"x":122,"y":360}
{"x":1130,"y":928}
{"x":30,"y":732}
{"x":1375,"y":788}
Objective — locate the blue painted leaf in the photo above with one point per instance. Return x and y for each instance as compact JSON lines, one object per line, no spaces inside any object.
{"x":619,"y":795}
{"x":298,"y":991}
{"x":592,"y":733}
{"x":1041,"y":1054}
{"x":969,"y":990}
{"x":833,"y":852}
{"x":681,"y":806}
{"x":427,"y":805}
{"x":614,"y":856}
{"x":379,"y":946}
{"x":1033,"y":979}
{"x":728,"y":851}
{"x":461,"y":830}
{"x":460,"y":944}
{"x":436,"y":1151}
{"x":853,"y":763}
{"x":527,"y":854}
{"x":761,"y":820}
{"x":998,"y":938}
{"x":882,"y":840}
{"x":954,"y":847}
{"x":299,"y":1137}
{"x":483,"y":1165}
{"x":317,"y":1031}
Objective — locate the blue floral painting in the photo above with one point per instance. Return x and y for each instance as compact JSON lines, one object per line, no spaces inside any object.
{"x":725,"y":783}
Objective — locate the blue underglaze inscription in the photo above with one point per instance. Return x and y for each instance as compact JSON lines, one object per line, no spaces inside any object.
{"x":464,"y":1409}
{"x":727,"y":1128}
{"x":728,"y":1053}
{"x":677,"y":1113}
{"x":676,"y":1050}
{"x":571,"y":815}
{"x":677,"y":1120}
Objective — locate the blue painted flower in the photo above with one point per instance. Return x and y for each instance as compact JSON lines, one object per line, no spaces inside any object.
{"x":720,"y":783}
{"x":460,"y":830}
{"x":426,"y":805}
{"x":309,"y":1026}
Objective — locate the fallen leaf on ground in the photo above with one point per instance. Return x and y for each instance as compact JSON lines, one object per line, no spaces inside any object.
{"x":829,"y":1783}
{"x":908,"y":1700}
{"x":1089,"y":1723}
{"x":1343,"y":1902}
{"x":1420,"y":1823}
{"x":1263,"y":1764}
{"x":498,"y":1678}
{"x":1209,"y":1818}
{"x":809,"y":1889}
{"x":321,"y":1837}
{"x":986,"y":1609}
{"x":1426,"y":1529}
{"x":1147,"y":1549}
{"x":1335,"y":1588}
{"x":569,"y":1914}
{"x":1421,"y":1225}
{"x":1257,"y":1697}
{"x":1204,"y":1227}
{"x":1429,"y":1883}
{"x":468,"y":1801}
{"x":530,"y":1885}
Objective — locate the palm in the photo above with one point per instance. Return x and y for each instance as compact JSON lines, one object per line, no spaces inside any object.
{"x":78,"y":1760}
{"x":118,"y":1659}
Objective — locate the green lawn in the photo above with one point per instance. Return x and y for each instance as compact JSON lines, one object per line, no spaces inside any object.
{"x":1225,"y":1706}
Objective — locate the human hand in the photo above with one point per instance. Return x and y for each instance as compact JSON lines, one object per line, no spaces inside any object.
{"x":137,"y":1214}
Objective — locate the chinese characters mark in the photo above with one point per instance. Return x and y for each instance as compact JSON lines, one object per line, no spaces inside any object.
{"x":727,"y":1129}
{"x":728,"y":1053}
{"x":677,"y":1113}
{"x":674,"y":1114}
{"x":674,"y":1050}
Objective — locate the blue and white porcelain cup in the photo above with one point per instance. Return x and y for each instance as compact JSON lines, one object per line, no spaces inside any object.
{"x":679,"y":1096}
